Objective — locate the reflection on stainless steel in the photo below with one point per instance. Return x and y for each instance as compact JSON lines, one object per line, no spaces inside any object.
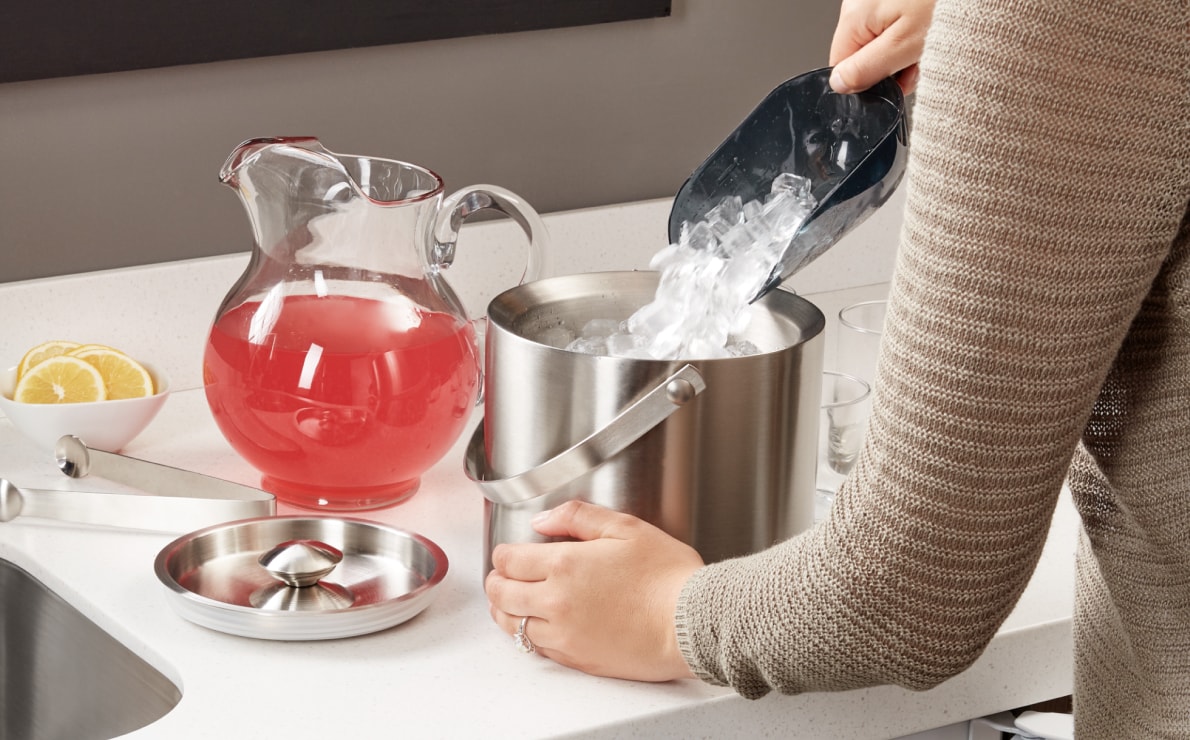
{"x":77,"y":460}
{"x":301,"y":563}
{"x":299,"y":566}
{"x":592,"y":451}
{"x":315,"y":598}
{"x":214,"y":578}
{"x":731,"y":471}
{"x":125,"y":510}
{"x":61,"y":676}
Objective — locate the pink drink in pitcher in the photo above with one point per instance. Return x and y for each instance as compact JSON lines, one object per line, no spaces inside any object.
{"x":341,"y":364}
{"x":343,"y":402}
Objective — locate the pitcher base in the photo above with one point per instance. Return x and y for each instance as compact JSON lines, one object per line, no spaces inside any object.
{"x":322,"y":498}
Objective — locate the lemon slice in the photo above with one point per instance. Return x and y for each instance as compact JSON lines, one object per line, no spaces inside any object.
{"x":43,"y":351}
{"x":79,"y":349}
{"x":123,"y":376}
{"x":61,"y":379}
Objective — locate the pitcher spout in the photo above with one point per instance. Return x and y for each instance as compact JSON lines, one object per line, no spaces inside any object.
{"x":302,"y":162}
{"x":248,"y":152}
{"x":311,"y":206}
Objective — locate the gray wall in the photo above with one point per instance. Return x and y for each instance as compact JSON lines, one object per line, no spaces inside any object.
{"x":119,"y":169}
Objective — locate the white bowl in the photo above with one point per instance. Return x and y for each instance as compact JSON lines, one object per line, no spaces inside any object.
{"x":103,"y":425}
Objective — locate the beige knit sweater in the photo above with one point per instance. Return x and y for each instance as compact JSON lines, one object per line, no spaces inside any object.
{"x":1039,"y":329}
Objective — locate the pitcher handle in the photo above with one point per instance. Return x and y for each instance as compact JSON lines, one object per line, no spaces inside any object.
{"x":629,"y":425}
{"x":458,"y":206}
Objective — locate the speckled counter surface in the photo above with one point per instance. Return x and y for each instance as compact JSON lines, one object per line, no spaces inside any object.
{"x":449,"y":672}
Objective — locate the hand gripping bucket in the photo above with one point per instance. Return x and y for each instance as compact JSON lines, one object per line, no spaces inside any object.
{"x":719,"y":453}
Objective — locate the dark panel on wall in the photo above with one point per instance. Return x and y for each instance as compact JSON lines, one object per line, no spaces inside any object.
{"x":57,"y":38}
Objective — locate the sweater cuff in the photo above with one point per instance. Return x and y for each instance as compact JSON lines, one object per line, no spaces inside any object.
{"x":686,"y":629}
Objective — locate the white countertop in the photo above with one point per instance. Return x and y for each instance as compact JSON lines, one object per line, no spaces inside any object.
{"x":449,"y":672}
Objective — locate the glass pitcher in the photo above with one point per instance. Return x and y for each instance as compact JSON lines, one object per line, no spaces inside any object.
{"x":341,"y":365}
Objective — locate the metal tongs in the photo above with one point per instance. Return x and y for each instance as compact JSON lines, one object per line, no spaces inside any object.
{"x":182,"y":500}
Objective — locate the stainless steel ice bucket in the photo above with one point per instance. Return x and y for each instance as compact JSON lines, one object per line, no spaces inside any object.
{"x":719,"y":453}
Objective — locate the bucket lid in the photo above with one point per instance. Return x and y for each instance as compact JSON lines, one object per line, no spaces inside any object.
{"x":360,"y":577}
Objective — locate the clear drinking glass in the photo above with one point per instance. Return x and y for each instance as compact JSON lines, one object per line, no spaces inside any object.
{"x":861,"y":326}
{"x":840,"y":433}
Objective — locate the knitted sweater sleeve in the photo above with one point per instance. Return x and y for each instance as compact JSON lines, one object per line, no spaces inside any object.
{"x":1024,"y":257}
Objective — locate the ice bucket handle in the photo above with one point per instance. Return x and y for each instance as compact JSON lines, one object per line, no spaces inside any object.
{"x":628,"y":426}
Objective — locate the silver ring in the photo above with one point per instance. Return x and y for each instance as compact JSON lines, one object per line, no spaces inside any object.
{"x":521,"y":640}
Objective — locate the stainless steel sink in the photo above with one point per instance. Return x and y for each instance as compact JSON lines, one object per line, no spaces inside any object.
{"x":61,"y":676}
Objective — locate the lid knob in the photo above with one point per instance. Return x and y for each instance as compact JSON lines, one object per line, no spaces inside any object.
{"x":301,"y":563}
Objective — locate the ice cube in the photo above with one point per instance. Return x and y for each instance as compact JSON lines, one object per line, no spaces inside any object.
{"x":651,"y":318}
{"x":556,"y":336}
{"x":734,"y":241}
{"x":796,"y":185}
{"x":666,"y":343}
{"x":621,"y":345}
{"x":666,"y":256}
{"x":700,"y":348}
{"x":742,"y":320}
{"x":588,"y":346}
{"x":600,"y":328}
{"x":708,"y":279}
{"x":742,"y":348}
{"x":746,"y":275}
{"x":701,"y":237}
{"x":784,"y":216}
{"x":729,"y":211}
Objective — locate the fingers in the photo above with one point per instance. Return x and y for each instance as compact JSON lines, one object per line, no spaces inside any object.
{"x":516,"y":584}
{"x":851,"y":34}
{"x":536,"y":629}
{"x":605,"y":605}
{"x":576,"y":520}
{"x":583,"y":521}
{"x":510,"y":601}
{"x":907,"y":78}
{"x":521,"y":562}
{"x":510,"y":623}
{"x":875,"y":39}
{"x":886,"y":55}
{"x":510,"y":595}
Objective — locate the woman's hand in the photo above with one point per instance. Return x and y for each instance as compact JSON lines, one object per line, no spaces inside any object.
{"x":878,"y":38}
{"x":604,"y":605}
